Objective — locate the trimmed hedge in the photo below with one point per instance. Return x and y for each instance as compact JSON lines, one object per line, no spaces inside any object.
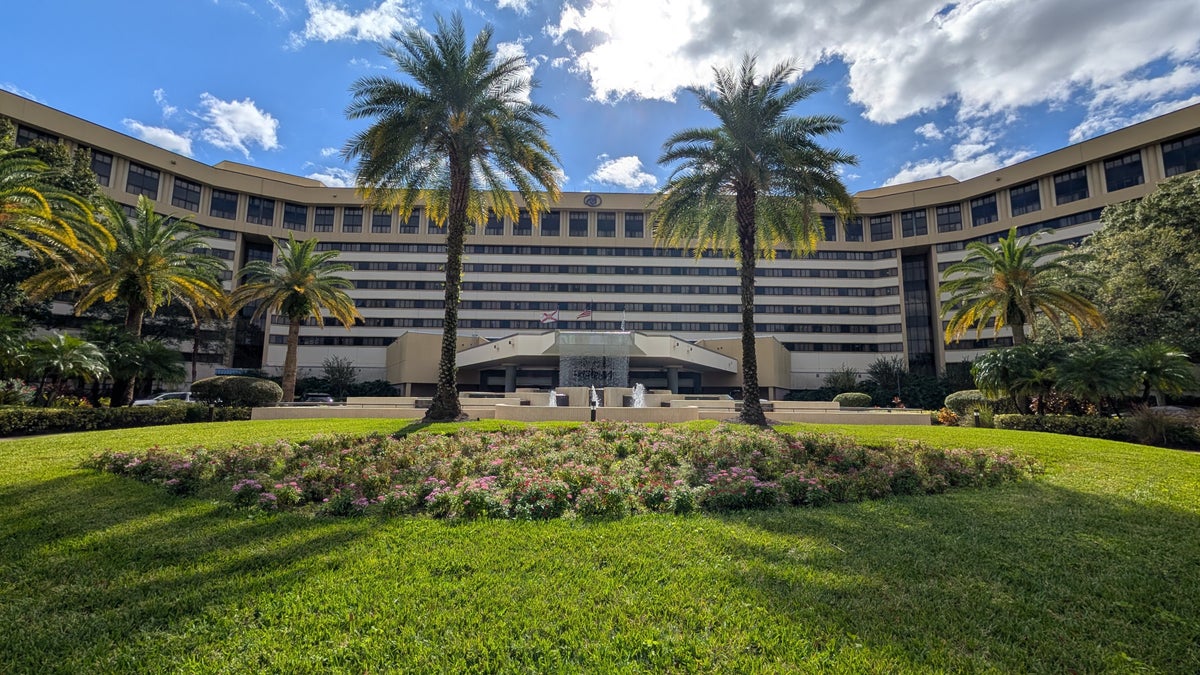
{"x":853,"y":399}
{"x":1113,"y":429}
{"x":237,"y":391}
{"x":963,"y":402}
{"x":28,"y":421}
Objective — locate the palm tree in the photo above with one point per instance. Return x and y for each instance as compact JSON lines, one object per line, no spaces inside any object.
{"x":46,"y":221}
{"x":1000,"y":372}
{"x":155,"y":262}
{"x":1009,"y":284}
{"x":457,"y":138}
{"x":299,"y":284}
{"x":59,"y":357}
{"x":751,"y":184}
{"x":1161,"y":367}
{"x":1040,"y":374}
{"x":1096,"y":373}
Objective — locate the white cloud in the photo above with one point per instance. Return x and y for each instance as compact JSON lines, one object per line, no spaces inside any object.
{"x":164,"y":138}
{"x":929,"y":131}
{"x":333,"y":176}
{"x":160,"y":97}
{"x":1125,"y":102}
{"x":358,"y":62}
{"x":904,"y":56}
{"x":974,"y":152}
{"x":508,"y":50}
{"x":518,"y":6}
{"x":328,"y":152}
{"x":234,"y":125}
{"x":623,"y":172}
{"x":328,"y":21}
{"x":12,"y":88}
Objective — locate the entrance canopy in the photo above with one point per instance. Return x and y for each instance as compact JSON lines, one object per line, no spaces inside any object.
{"x":645,"y":352}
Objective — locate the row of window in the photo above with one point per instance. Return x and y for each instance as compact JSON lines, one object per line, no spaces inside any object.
{"x":658,"y":307}
{"x":587,"y":251}
{"x":845,"y":328}
{"x":1080,"y":218}
{"x":531,"y":287}
{"x":694,"y":271}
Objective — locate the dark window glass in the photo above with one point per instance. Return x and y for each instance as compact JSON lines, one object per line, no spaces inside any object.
{"x":1025,"y":198}
{"x":1122,"y":172}
{"x":913,"y":223}
{"x":412,"y":225}
{"x":830,"y":225}
{"x":224,"y":204}
{"x":295,"y":216}
{"x":27,"y":136}
{"x":381,"y":222}
{"x":524,"y":225}
{"x":577,"y":224}
{"x":635,"y":225}
{"x":323,"y":219}
{"x":142,"y":181}
{"x":1181,"y":156}
{"x":949,"y":218}
{"x":1070,"y":186}
{"x":352,"y":219}
{"x":186,"y":195}
{"x":606,"y":224}
{"x":881,"y":228}
{"x":433,"y":228}
{"x":102,"y":166}
{"x":854,"y":229}
{"x":494,"y":226}
{"x":551,"y":224}
{"x":983,"y":210}
{"x":260,"y":211}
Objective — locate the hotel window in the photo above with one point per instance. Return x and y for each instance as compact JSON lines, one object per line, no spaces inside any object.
{"x":1122,"y":172}
{"x":142,"y":181}
{"x":381,"y":222}
{"x":606,"y":224}
{"x":260,"y":211}
{"x":577,"y":224}
{"x":914,"y":223}
{"x":551,"y":224}
{"x":27,"y":136}
{"x":432,"y":227}
{"x":102,"y":166}
{"x":186,"y":195}
{"x":949,"y":218}
{"x":295,"y":216}
{"x":635,"y":225}
{"x":881,"y":228}
{"x":412,"y":225}
{"x":1181,"y":156}
{"x":494,"y":226}
{"x":352,"y":217}
{"x":983,"y":210}
{"x":1070,"y":186}
{"x":224,"y":205}
{"x":830,"y":225}
{"x":524,"y":225}
{"x":1025,"y":198}
{"x":854,"y":229}
{"x":323,"y":219}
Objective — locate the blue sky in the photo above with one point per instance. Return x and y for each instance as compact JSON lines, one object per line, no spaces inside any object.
{"x":927,"y":87}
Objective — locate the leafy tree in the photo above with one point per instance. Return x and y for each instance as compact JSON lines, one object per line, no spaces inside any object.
{"x":1009,"y":284}
{"x":842,"y":380}
{"x":1147,"y":254}
{"x":340,"y":374}
{"x":1159,"y":367}
{"x":299,"y":284}
{"x":457,"y":137}
{"x":751,"y":185}
{"x":57,"y":358}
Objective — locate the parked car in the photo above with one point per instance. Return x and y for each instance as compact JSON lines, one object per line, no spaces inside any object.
{"x":185,"y":396}
{"x":316,"y":397}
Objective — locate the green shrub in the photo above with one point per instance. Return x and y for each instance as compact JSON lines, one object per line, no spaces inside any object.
{"x":237,"y":391}
{"x":1152,"y":426}
{"x":1113,"y":429}
{"x":29,"y":421}
{"x":853,"y":399}
{"x":15,"y":392}
{"x":964,"y":402}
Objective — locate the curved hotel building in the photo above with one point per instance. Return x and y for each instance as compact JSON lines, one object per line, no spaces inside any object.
{"x":870,"y":290}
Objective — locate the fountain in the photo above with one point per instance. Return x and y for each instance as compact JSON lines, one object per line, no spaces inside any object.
{"x":553,"y":402}
{"x":639,"y":395}
{"x":595,"y":398}
{"x":594,"y":359}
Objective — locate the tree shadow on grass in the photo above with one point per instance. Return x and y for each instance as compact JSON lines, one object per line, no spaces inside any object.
{"x":90,"y":563}
{"x":1026,"y":578}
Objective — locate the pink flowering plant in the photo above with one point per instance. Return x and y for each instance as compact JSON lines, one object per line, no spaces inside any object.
{"x":595,"y":471}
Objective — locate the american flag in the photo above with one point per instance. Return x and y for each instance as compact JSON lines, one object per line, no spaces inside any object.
{"x":550,"y":317}
{"x":585,"y":314}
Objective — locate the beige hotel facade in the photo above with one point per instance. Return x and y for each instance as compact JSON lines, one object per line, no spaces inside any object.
{"x":871,"y":289}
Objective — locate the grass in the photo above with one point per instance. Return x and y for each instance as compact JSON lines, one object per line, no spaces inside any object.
{"x":1095,"y":567}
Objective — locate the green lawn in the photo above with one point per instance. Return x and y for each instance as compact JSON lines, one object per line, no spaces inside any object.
{"x":1094,"y":567}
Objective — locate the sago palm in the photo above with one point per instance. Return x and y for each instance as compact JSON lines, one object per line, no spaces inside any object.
{"x":57,"y":358}
{"x":751,"y":185}
{"x":1160,"y":367}
{"x":457,"y":135}
{"x":1010,"y":283}
{"x":299,"y":284}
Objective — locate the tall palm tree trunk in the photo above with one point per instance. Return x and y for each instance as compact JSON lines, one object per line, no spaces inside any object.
{"x":752,"y":412}
{"x":123,"y":387}
{"x":445,"y":405}
{"x":290,"y":358}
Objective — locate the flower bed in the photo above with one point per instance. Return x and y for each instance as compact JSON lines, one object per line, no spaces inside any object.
{"x":605,"y":470}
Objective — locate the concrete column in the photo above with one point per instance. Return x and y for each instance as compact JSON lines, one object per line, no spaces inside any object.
{"x":510,"y":378}
{"x":673,"y":379}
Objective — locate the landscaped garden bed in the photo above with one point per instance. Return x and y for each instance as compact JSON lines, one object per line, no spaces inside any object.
{"x":606,"y":470}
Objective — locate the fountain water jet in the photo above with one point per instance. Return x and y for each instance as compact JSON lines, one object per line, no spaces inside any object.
{"x":639,"y":395}
{"x":553,"y":402}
